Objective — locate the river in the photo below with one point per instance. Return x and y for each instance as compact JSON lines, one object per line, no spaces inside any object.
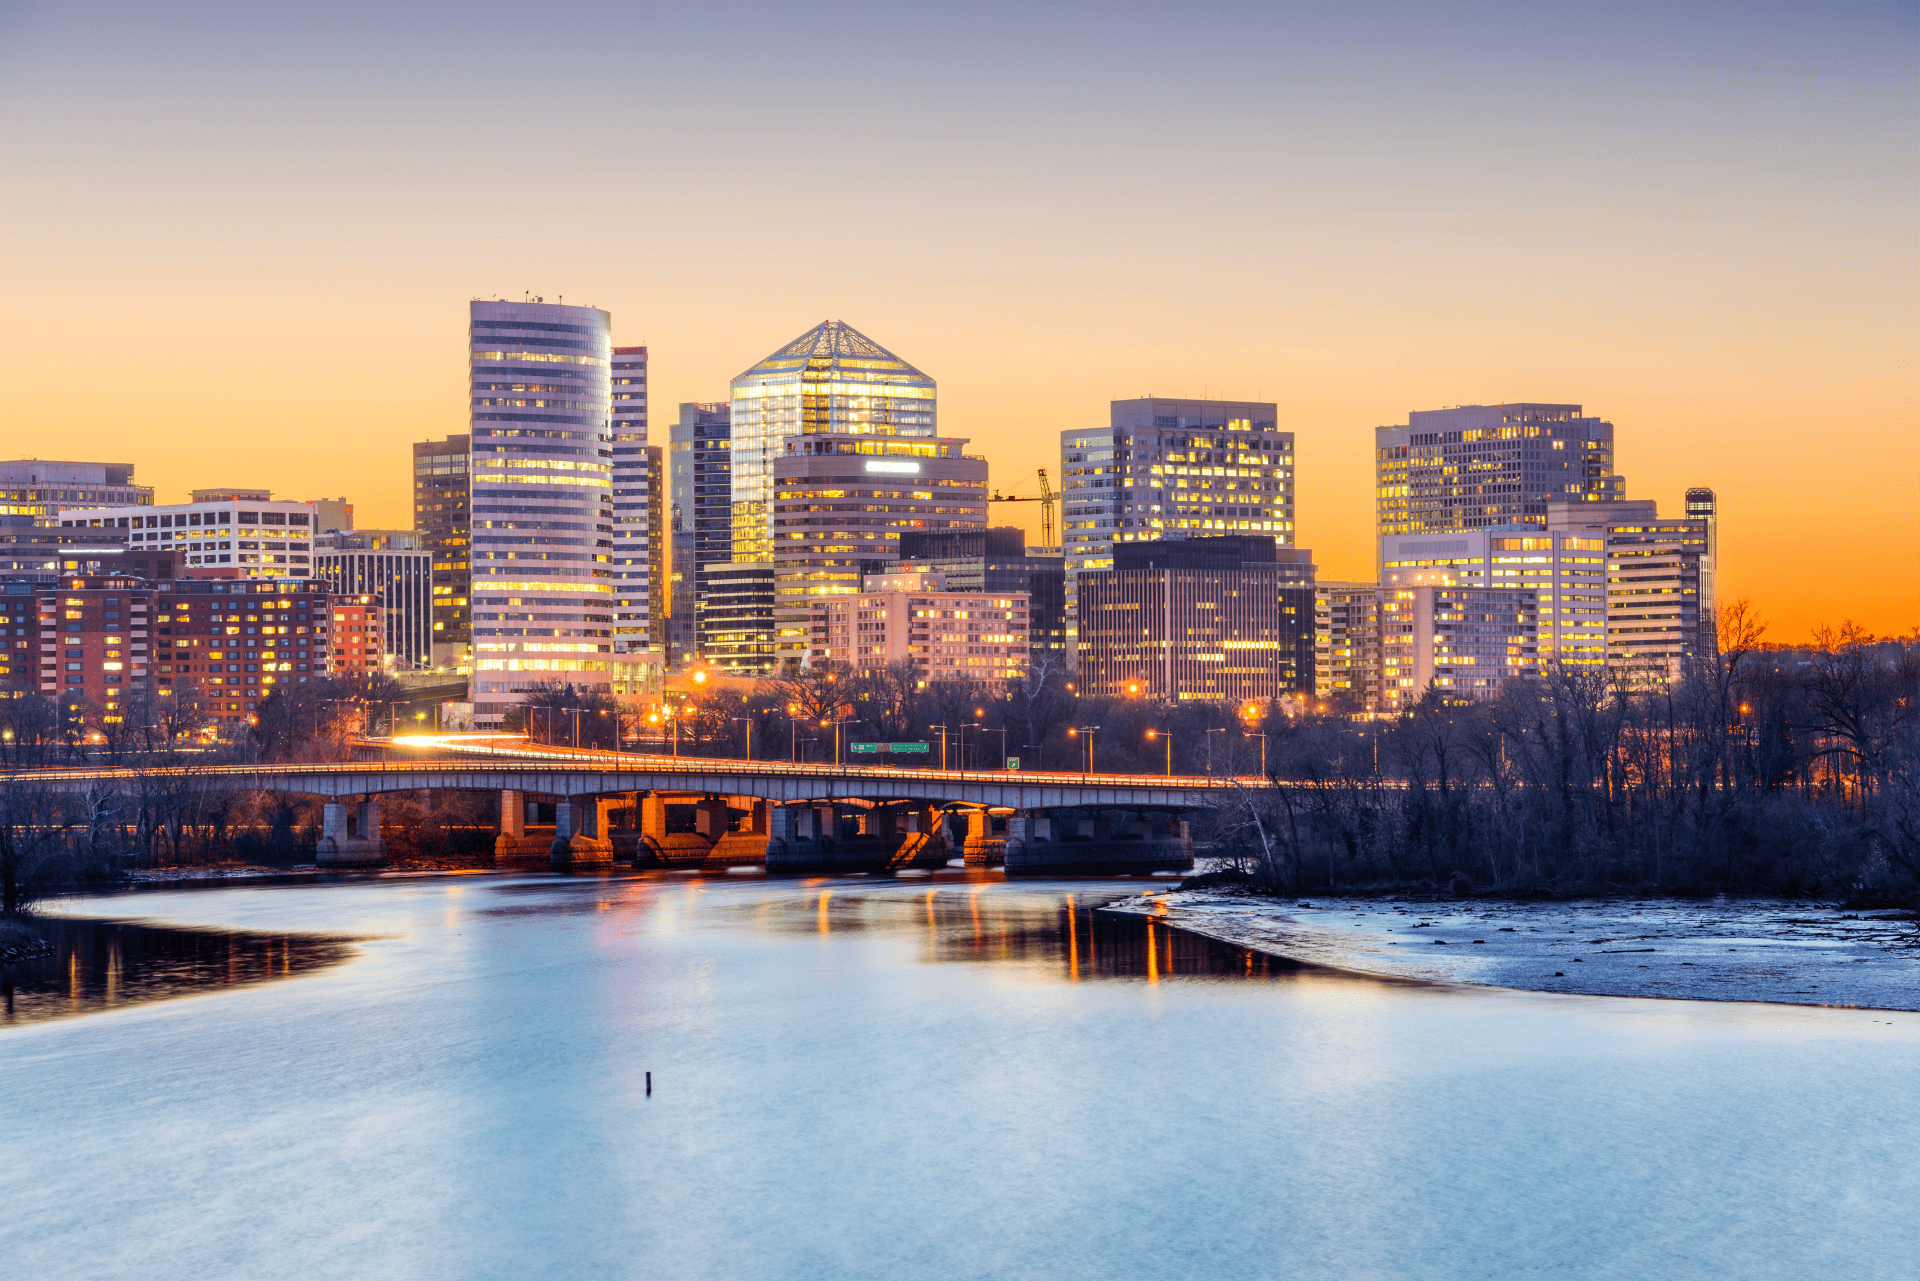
{"x":446,"y":1077}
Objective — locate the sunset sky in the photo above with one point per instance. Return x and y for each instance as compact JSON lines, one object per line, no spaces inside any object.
{"x":240,"y":240}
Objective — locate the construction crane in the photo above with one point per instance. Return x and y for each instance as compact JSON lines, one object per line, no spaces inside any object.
{"x":1045,"y":499}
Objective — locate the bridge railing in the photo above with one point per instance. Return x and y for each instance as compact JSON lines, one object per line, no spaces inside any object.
{"x":507,"y":760}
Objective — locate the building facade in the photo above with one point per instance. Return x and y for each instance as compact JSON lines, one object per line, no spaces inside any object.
{"x":443,"y":513}
{"x":840,"y":504}
{"x":1566,"y":569}
{"x":701,"y":467}
{"x":1463,"y":642}
{"x":39,"y":488}
{"x":542,"y":500}
{"x":390,"y":567}
{"x":224,"y":538}
{"x":43,"y":553}
{"x":227,"y":645}
{"x":633,"y":509}
{"x":830,"y":380}
{"x":1208,"y":619}
{"x":912,"y":617}
{"x":1170,"y":468}
{"x":1659,"y":574}
{"x":997,"y":560}
{"x":1475,"y":466}
{"x":736,"y":617}
{"x":657,"y":554}
{"x":1346,"y":645}
{"x":356,"y":635}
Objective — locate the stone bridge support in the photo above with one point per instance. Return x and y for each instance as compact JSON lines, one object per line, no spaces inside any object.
{"x":350,"y":835}
{"x":680,"y":829}
{"x":825,"y":837}
{"x":579,"y":840}
{"x":520,"y":841}
{"x":984,"y":847}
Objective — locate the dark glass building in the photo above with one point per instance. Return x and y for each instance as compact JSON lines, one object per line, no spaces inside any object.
{"x":700,"y":514}
{"x":1213,"y":619}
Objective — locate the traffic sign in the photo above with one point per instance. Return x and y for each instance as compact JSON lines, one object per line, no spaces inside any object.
{"x":887,"y":747}
{"x":908,"y":747}
{"x":1013,"y":762}
{"x":865,"y":747}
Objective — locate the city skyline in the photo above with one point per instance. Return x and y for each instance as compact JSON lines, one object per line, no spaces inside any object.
{"x":1703,"y":246}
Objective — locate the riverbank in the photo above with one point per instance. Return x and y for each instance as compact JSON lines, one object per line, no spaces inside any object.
{"x":19,"y":941}
{"x":1724,"y":950}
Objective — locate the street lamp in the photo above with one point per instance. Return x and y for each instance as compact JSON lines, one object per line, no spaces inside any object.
{"x":836,"y":735}
{"x":943,"y":744}
{"x":748,"y":722}
{"x":1263,"y":752}
{"x":793,"y":732}
{"x":1210,"y":734}
{"x":1154,"y":733}
{"x":1088,"y":730}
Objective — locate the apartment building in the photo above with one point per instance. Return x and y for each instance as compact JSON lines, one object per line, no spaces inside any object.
{"x":911,"y":617}
{"x":1464,"y":642}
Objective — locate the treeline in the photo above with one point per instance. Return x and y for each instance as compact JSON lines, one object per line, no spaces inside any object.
{"x":170,"y":809}
{"x":1757,"y":770}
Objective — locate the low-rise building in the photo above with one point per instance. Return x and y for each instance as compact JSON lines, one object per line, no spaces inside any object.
{"x":223,"y":538}
{"x":947,"y":635}
{"x":997,"y":560}
{"x":1207,"y":619}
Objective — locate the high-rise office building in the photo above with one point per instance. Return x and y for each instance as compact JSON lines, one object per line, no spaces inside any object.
{"x":1169,"y":468}
{"x":1659,"y":571}
{"x":1474,"y":466}
{"x":840,"y":503}
{"x":222,"y":538}
{"x":1566,"y":569}
{"x":40,"y":488}
{"x":632,"y":564}
{"x":1346,"y":619}
{"x":542,"y":500}
{"x":998,"y":560}
{"x":700,"y":466}
{"x":1463,"y":642}
{"x":443,"y":513}
{"x":831,"y":379}
{"x":1703,"y":505}
{"x":392,"y":568}
{"x":331,"y":513}
{"x":736,"y":616}
{"x":656,"y":549}
{"x":1206,"y":619}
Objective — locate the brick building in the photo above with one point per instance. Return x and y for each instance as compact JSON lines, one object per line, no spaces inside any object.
{"x":950,"y":636}
{"x":227,"y":644}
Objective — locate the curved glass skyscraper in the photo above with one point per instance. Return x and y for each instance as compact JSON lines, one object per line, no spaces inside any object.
{"x":542,"y":499}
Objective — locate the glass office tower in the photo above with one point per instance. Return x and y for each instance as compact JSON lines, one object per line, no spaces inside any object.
{"x":701,"y":464}
{"x":542,"y":500}
{"x":830,"y":379}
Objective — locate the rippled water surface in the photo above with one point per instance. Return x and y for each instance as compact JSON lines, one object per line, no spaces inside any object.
{"x":913,"y":1078}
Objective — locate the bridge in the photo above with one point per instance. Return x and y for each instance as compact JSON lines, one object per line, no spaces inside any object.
{"x":572,"y":809}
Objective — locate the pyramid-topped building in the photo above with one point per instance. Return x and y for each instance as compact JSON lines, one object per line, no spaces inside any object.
{"x":833,"y":378}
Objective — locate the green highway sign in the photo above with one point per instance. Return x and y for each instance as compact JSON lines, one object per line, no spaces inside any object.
{"x":1013,"y":762}
{"x":863,"y":747}
{"x":907,"y":747}
{"x":887,"y":747}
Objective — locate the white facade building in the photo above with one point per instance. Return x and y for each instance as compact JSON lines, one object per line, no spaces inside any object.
{"x":248,"y":538}
{"x":1566,"y":569}
{"x":542,"y":499}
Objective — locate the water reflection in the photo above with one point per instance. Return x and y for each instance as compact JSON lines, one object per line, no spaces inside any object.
{"x":1071,"y":936}
{"x":100,"y":965}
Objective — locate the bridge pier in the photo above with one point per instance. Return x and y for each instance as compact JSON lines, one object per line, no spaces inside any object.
{"x":516,"y":844}
{"x":984,"y":847}
{"x":1079,"y":842}
{"x":351,"y":839}
{"x":578,"y":841}
{"x":814,"y":837}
